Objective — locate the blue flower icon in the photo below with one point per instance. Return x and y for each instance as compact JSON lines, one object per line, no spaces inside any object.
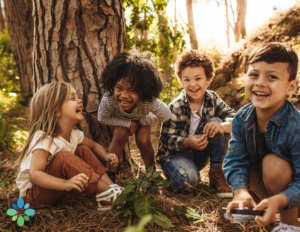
{"x":13,"y":212}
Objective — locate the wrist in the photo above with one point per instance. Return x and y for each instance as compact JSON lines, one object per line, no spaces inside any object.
{"x":241,"y":192}
{"x":279,"y":200}
{"x":185,"y":143}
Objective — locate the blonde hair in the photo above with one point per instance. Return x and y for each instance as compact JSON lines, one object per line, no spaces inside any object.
{"x":44,"y":106}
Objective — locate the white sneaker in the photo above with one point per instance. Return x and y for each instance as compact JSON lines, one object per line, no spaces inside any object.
{"x":282,"y":227}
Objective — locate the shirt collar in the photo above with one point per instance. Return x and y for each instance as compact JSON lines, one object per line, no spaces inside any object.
{"x":278,"y":118}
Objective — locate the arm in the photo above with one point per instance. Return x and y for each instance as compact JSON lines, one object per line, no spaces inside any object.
{"x":159,"y":112}
{"x":100,"y":152}
{"x":39,"y":177}
{"x":236,"y":168}
{"x":106,"y":117}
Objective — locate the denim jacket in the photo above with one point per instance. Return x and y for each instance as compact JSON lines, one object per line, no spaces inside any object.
{"x":282,"y":137}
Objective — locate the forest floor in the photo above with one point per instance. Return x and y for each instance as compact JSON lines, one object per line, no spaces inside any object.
{"x":77,"y":212}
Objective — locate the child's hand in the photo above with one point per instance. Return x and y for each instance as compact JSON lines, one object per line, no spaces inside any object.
{"x":78,"y":182}
{"x":112,"y":159}
{"x":241,"y":199}
{"x":213,"y":128}
{"x":270,"y":205}
{"x":197,"y":142}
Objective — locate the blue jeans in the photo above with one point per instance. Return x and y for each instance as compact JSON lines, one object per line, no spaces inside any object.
{"x":185,"y":166}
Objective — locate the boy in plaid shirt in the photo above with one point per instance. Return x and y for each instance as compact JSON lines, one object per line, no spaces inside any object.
{"x":199,"y":128}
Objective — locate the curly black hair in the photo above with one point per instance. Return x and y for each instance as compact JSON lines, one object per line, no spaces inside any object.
{"x":194,"y":58}
{"x":138,"y":70}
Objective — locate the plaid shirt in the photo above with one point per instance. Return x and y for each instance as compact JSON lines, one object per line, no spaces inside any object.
{"x":175,"y":130}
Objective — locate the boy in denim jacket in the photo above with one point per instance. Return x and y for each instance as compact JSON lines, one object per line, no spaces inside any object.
{"x":198,"y":129}
{"x":264,"y":158}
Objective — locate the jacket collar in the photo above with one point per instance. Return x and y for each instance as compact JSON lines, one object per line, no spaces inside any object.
{"x":249,"y":115}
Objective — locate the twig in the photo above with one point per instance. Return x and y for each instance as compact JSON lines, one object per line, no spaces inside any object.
{"x":8,"y":201}
{"x":138,"y":170}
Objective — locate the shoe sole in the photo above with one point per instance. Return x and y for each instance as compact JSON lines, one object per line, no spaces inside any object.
{"x":224,"y":195}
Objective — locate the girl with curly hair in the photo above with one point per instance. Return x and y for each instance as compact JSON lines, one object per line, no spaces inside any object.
{"x":130,"y":105}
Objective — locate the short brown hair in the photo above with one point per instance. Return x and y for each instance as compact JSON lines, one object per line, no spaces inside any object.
{"x":276,"y":52}
{"x":194,"y":58}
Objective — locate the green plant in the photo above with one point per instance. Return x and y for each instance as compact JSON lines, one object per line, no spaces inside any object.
{"x":134,"y":199}
{"x":191,"y":214}
{"x":11,"y":136}
{"x":141,"y":225}
{"x":7,"y":178}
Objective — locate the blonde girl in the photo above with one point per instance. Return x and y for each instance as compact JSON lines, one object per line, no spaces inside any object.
{"x":58,"y":158}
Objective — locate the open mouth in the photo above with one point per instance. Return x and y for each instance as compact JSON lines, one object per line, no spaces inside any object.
{"x":79,"y":111}
{"x":124,"y":103}
{"x":195,"y":90}
{"x":261,"y":94}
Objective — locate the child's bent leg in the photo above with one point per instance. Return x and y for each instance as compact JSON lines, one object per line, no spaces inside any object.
{"x":64,"y":165}
{"x":218,"y":146}
{"x":181,"y":169}
{"x":142,"y":137}
{"x":120,"y":137}
{"x":276,"y":181}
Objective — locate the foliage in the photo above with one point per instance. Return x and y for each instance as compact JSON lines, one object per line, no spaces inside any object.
{"x":7,"y":178}
{"x":11,"y":136}
{"x":141,"y":225}
{"x":134,"y":199}
{"x":191,"y":214}
{"x":214,"y":49}
{"x":171,"y":89}
{"x":149,"y":29}
{"x":9,"y":81}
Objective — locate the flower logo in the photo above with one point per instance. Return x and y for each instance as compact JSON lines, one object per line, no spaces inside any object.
{"x":13,"y":212}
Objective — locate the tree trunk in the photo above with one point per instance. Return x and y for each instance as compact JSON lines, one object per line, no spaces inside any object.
{"x":240,"y":28}
{"x":227,"y":25}
{"x":73,"y":42}
{"x":164,"y":63}
{"x":192,"y":31}
{"x":2,"y":26}
{"x":243,"y":18}
{"x":20,"y":29}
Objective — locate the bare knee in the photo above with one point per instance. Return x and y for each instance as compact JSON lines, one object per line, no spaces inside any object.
{"x":143,"y":142}
{"x":120,"y":135}
{"x":276,"y":171}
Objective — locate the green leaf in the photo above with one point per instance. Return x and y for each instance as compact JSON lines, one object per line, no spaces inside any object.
{"x":156,"y":174}
{"x":191,"y":214}
{"x":166,"y":183}
{"x":125,"y":197}
{"x":162,"y":220}
{"x":139,"y":180}
{"x":150,"y":170}
{"x":129,"y":188}
{"x":153,"y":189}
{"x":141,"y":225}
{"x":145,"y":185}
{"x":144,"y":206}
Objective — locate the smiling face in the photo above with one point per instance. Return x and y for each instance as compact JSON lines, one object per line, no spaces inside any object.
{"x":71,"y":109}
{"x":194,"y":82}
{"x":268,"y":85}
{"x":126,"y":95}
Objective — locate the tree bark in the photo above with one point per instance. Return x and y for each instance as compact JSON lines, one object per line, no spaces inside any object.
{"x":192,"y":31}
{"x":20,"y":29}
{"x":164,"y":63}
{"x":227,"y":25}
{"x":240,"y":28}
{"x":73,"y":42}
{"x":2,"y":25}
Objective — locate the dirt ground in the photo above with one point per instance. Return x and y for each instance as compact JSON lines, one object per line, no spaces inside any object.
{"x":78,"y":211}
